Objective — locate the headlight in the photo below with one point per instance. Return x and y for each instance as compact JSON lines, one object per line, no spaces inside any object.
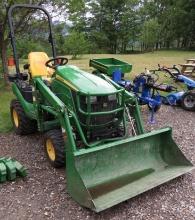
{"x":112,"y":97}
{"x":93,"y":99}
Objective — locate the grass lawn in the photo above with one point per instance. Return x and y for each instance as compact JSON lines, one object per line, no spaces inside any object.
{"x":139,"y":62}
{"x":5,"y":121}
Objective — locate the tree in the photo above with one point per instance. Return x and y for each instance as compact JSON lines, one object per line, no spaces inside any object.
{"x":26,"y":45}
{"x":176,"y":21}
{"x":129,"y":26}
{"x":76,"y":44}
{"x":116,"y":20}
{"x":108,"y":24}
{"x":77,"y":14}
{"x":113,"y":26}
{"x":150,"y":34}
{"x":61,"y":30}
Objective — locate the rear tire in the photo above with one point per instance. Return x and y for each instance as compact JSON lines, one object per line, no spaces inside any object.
{"x":55,"y":148}
{"x":22,"y":124}
{"x":188,"y":101}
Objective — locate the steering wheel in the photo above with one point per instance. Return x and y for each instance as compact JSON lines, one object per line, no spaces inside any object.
{"x":55,"y":62}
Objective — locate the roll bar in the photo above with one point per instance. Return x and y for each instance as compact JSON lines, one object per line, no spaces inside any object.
{"x":12,"y":34}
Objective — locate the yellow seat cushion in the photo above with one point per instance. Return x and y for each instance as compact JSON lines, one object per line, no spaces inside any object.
{"x":37,"y":66}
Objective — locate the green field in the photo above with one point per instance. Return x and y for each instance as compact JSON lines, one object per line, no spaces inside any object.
{"x":139,"y":62}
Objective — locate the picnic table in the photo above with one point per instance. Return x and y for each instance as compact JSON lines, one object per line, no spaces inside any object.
{"x":190,"y":60}
{"x":188,"y":68}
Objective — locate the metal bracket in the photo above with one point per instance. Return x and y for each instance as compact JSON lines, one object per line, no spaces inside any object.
{"x":10,"y":169}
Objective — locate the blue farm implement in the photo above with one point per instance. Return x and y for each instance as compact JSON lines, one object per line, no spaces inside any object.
{"x":186,"y":97}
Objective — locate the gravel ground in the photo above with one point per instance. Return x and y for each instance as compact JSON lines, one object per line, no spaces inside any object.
{"x":43,"y":194}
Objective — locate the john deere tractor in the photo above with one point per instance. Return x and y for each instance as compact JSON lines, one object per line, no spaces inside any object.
{"x":93,"y":127}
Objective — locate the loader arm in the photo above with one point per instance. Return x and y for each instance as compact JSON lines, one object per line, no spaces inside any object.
{"x":58,"y":109}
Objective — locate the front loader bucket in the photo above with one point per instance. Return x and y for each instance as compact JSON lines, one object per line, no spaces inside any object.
{"x":101,"y":177}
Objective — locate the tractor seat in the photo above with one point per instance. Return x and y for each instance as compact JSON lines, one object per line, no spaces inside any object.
{"x":37,"y":66}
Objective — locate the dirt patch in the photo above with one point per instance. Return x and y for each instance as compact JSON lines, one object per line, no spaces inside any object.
{"x":43,"y":194}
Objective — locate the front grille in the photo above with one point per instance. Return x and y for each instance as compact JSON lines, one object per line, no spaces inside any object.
{"x":102,"y":104}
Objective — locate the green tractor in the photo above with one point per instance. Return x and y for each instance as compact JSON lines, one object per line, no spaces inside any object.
{"x":93,"y":127}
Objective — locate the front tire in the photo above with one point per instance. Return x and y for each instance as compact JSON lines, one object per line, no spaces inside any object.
{"x":188,"y":101}
{"x":22,"y":124}
{"x":55,"y":148}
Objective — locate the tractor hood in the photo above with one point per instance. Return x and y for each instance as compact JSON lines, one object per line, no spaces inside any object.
{"x":82,"y":81}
